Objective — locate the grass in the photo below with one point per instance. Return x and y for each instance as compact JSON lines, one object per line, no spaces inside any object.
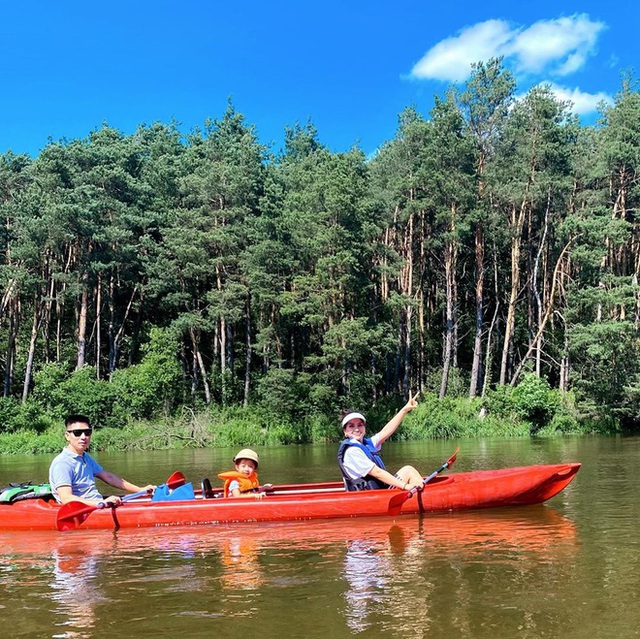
{"x":432,"y":419}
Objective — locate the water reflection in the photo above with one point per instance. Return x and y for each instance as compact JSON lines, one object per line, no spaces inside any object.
{"x":74,"y":589}
{"x":241,"y":565}
{"x":355,"y":575}
{"x":390,"y":577}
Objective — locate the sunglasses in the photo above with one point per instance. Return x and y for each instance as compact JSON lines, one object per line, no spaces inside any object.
{"x":81,"y":431}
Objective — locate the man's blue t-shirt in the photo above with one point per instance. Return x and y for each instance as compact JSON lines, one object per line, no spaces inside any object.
{"x":76,"y":471}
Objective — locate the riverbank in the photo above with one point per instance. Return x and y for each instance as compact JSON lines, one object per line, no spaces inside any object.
{"x":433,"y":419}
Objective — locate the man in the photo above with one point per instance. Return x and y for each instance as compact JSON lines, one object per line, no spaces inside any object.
{"x":72,"y":473}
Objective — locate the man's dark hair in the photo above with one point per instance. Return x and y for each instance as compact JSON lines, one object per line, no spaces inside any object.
{"x":75,"y":419}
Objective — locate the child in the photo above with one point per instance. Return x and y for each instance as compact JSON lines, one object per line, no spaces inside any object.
{"x":243,"y":481}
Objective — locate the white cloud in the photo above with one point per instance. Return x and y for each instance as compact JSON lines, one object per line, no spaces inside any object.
{"x":451,"y":59}
{"x":559,"y":47}
{"x":562,"y":46}
{"x":583,"y":103}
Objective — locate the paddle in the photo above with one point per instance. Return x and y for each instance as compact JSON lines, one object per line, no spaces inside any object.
{"x":395,"y":503}
{"x":73,"y":513}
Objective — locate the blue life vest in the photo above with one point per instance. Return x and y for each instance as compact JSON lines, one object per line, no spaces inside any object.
{"x":368,"y":482}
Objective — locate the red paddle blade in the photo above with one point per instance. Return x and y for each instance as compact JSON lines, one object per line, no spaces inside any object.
{"x":176,"y":480}
{"x":395,"y":503}
{"x":72,"y":515}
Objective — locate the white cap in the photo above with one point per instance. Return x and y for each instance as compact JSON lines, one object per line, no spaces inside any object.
{"x":347,"y":418}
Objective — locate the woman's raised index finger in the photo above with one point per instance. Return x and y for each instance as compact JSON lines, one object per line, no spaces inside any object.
{"x":415,"y":397}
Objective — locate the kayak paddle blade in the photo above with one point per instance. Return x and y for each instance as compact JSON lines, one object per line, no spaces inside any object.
{"x":395,"y":503}
{"x":72,"y":515}
{"x":176,"y":479}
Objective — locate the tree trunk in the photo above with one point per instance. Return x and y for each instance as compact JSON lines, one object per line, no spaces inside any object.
{"x":82,"y":323}
{"x":516,"y":225}
{"x":32,"y":348}
{"x":98,"y":323}
{"x":476,"y":365}
{"x":199,"y":365}
{"x":11,"y":346}
{"x":450,"y":269}
{"x":545,"y":317}
{"x":116,"y":339}
{"x":536,"y":292}
{"x":222,"y":335}
{"x":247,"y":368}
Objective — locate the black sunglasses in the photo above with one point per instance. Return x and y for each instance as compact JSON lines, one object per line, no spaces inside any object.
{"x":81,"y":431}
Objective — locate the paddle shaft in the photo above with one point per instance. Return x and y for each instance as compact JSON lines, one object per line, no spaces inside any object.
{"x":435,"y":473}
{"x":140,"y":493}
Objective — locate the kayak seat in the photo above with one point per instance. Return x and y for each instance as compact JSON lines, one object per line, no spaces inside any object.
{"x":207,"y":490}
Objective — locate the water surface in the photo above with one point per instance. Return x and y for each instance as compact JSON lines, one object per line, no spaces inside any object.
{"x":569,"y":568}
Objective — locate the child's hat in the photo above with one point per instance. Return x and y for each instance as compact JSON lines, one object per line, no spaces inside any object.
{"x":247,"y":453}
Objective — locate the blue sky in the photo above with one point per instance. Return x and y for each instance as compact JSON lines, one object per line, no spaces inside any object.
{"x":349,"y":66}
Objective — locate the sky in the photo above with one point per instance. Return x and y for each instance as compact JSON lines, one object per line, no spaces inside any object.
{"x":349,"y":67}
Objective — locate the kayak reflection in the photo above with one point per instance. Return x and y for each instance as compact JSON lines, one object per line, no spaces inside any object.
{"x":533,"y":528}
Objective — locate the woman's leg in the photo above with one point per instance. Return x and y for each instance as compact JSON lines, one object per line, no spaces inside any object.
{"x":410,"y":475}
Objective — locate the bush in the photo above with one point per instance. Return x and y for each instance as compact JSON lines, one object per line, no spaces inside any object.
{"x":152,"y":387}
{"x":61,"y":393}
{"x":283,"y":393}
{"x":322,"y":428}
{"x":27,"y":442}
{"x":534,"y":401}
{"x":16,"y":415}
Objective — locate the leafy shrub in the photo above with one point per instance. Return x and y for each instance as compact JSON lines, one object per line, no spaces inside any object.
{"x":16,"y":415}
{"x":152,"y":387}
{"x":534,"y":401}
{"x":322,"y":428}
{"x":26,"y":442}
{"x":500,"y":402}
{"x":283,"y":393}
{"x":78,"y":392}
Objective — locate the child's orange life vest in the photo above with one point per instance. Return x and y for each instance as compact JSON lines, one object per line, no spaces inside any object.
{"x":247,"y":484}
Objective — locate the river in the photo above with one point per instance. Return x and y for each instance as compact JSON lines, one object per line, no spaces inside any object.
{"x":569,"y":568}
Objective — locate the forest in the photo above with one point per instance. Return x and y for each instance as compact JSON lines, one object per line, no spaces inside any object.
{"x":487,"y":255}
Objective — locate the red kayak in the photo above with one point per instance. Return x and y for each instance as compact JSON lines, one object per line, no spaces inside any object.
{"x":457,"y":491}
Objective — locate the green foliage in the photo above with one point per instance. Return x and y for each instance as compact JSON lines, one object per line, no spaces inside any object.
{"x":534,"y":400}
{"x":607,"y":361}
{"x":29,"y":442}
{"x":283,"y":393}
{"x":455,"y":418}
{"x":79,"y":392}
{"x":28,"y":416}
{"x":152,"y":387}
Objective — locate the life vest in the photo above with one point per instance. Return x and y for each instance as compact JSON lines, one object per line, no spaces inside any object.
{"x":25,"y":490}
{"x":247,"y":484}
{"x":368,"y":482}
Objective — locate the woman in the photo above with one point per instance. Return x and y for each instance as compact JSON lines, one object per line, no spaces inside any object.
{"x":359,"y":459}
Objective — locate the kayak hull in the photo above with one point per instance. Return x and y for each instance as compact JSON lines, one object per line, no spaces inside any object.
{"x":458,"y":491}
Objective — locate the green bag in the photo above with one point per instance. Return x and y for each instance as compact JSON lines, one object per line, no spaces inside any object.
{"x":25,"y":490}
